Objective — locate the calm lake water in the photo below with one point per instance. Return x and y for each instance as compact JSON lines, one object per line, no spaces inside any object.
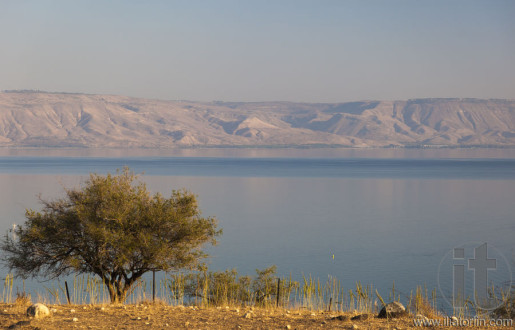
{"x":386,"y":215}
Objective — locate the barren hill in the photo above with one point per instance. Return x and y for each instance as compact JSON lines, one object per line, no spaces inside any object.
{"x":78,"y":120}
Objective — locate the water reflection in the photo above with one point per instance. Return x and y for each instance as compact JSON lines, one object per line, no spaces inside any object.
{"x":380,"y":229}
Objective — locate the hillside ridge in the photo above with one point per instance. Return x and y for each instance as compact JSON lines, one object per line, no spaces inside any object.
{"x":42,"y":119}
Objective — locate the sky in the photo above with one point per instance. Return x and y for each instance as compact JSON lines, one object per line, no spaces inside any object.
{"x":261,"y":50}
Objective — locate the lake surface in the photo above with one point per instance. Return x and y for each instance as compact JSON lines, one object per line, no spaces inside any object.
{"x":386,"y":215}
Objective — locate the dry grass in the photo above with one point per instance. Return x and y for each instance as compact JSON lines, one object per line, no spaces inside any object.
{"x":217,"y":300}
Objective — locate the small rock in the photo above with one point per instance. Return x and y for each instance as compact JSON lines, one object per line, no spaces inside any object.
{"x":138,"y":318}
{"x":237,"y":310}
{"x":19,"y":325}
{"x":354,"y":327}
{"x":5,"y":310}
{"x":38,"y":311}
{"x":72,"y":310}
{"x":392,"y":310}
{"x":166,"y":324}
{"x":288,"y":326}
{"x":84,"y":307}
{"x":75,"y":319}
{"x":53,"y":310}
{"x":313,"y":314}
{"x":360,"y":317}
{"x":247,"y":315}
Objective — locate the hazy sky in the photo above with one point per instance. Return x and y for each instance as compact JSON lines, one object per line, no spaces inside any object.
{"x":315,"y":51}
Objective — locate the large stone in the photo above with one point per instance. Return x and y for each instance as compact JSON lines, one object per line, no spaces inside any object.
{"x":392,"y":310}
{"x":38,"y":311}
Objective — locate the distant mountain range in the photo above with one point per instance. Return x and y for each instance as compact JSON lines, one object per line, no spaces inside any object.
{"x":38,"y":119}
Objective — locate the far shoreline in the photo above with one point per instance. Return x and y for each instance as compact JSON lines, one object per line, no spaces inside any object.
{"x":499,"y":152}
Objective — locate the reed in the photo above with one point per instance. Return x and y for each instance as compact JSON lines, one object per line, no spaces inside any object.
{"x":423,"y":303}
{"x":227,"y":288}
{"x":7,"y":293}
{"x":53,"y":292}
{"x":364,"y":301}
{"x":172,"y":289}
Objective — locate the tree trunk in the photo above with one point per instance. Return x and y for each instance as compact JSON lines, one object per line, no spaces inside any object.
{"x":117,"y":292}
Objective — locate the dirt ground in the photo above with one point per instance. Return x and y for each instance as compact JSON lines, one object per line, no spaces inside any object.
{"x":160,"y":316}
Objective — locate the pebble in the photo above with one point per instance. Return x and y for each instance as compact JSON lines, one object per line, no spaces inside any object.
{"x":75,"y":319}
{"x":288,"y":327}
{"x":72,"y":310}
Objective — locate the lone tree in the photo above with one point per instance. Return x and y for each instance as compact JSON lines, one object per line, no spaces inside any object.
{"x":112,"y":227}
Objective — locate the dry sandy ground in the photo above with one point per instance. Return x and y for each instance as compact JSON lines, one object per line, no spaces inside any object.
{"x":159,"y":316}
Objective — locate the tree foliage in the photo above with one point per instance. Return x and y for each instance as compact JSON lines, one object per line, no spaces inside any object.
{"x":112,"y":227}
